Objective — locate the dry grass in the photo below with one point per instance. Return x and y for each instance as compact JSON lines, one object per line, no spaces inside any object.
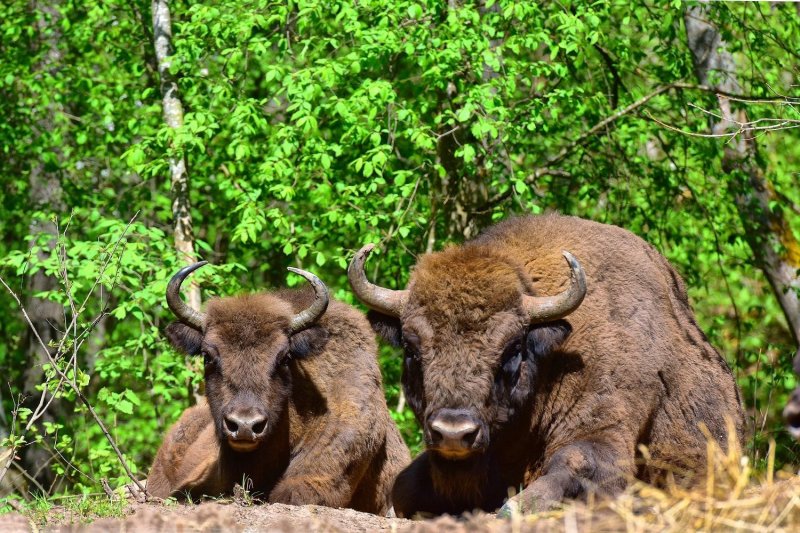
{"x":730,"y":498}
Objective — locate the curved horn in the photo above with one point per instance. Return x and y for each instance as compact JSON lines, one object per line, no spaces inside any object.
{"x":311,"y":314}
{"x":547,"y":308}
{"x":387,"y":301}
{"x":185,"y":314}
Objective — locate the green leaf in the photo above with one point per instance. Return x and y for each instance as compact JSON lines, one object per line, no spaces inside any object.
{"x":124,"y":406}
{"x":130,"y":395}
{"x":468,"y":153}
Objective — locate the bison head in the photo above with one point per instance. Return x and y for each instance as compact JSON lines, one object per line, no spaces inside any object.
{"x":473,"y":335}
{"x":248,"y":344}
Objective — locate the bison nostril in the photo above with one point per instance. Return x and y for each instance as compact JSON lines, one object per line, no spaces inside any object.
{"x":259,"y":427}
{"x":231,"y":426}
{"x":454,"y":431}
{"x":469,"y":437}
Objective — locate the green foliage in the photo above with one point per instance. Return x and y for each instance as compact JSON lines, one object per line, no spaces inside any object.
{"x":44,"y":511}
{"x":312,"y":128}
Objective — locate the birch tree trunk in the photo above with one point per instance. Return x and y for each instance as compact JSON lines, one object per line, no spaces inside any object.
{"x":772,"y":241}
{"x":173,"y":116}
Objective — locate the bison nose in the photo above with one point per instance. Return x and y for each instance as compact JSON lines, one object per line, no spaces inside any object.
{"x":245,"y":425}
{"x":453,"y":431}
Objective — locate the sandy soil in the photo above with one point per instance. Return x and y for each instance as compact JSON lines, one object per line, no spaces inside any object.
{"x":734,"y":504}
{"x":208,"y":517}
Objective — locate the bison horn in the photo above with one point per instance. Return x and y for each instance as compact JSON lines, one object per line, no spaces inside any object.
{"x":387,"y":301}
{"x":311,"y":314}
{"x":185,"y":314}
{"x":547,"y":308}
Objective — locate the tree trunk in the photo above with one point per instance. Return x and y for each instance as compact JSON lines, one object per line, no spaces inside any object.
{"x":173,"y":116}
{"x":45,"y":195}
{"x":465,"y":197}
{"x":772,"y":241}
{"x":179,"y":177}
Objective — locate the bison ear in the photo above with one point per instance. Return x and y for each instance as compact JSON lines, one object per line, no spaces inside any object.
{"x":388,"y":327}
{"x":308,"y":341}
{"x":543,"y":339}
{"x":184,"y":338}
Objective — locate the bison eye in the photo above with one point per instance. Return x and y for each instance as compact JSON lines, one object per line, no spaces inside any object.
{"x":511,"y":361}
{"x":210,"y":360}
{"x":412,"y":356}
{"x":411,"y":347}
{"x":285,"y":357}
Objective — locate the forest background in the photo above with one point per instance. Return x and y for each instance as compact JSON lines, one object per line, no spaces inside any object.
{"x":137,"y":136}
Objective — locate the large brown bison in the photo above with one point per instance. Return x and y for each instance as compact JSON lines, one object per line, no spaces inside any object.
{"x":526,"y":372}
{"x":295,"y":410}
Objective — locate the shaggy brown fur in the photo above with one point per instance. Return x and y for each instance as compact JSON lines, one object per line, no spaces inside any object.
{"x":329,"y":439}
{"x":562,"y":406}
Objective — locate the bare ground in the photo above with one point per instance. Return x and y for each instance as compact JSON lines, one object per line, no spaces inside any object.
{"x":728,"y":499}
{"x":764,"y":507}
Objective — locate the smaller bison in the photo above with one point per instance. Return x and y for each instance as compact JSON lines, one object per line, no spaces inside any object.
{"x":294,"y":407}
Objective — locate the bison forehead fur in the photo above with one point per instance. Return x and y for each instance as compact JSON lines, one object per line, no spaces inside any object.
{"x":628,"y":367}
{"x":464,"y":286}
{"x":248,"y":320}
{"x":326,"y":437}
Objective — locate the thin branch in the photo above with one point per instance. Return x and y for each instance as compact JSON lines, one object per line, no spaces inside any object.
{"x":581,"y":139}
{"x":77,"y":342}
{"x":747,"y":127}
{"x":75,"y":389}
{"x":29,"y":477}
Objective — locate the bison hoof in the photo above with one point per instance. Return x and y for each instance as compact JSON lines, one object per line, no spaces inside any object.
{"x":515,"y":507}
{"x":527,"y":502}
{"x":295,"y":493}
{"x":509,"y":509}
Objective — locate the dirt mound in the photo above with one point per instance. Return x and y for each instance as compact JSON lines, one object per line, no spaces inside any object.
{"x":267,"y":518}
{"x":208,"y":517}
{"x":15,"y":523}
{"x":729,"y":499}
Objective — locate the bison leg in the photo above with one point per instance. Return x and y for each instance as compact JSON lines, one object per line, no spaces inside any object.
{"x":188,"y":458}
{"x":314,"y":487}
{"x":413,"y":492}
{"x":573,"y":471}
{"x":328,"y":471}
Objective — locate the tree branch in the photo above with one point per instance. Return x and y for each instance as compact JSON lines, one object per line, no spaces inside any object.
{"x":53,"y":360}
{"x":775,"y":247}
{"x":585,"y":136}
